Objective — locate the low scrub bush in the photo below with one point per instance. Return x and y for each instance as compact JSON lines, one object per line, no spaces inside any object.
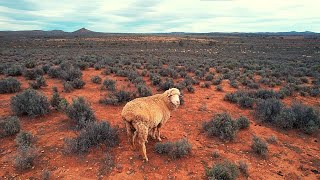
{"x":67,"y":86}
{"x":93,"y":134}
{"x":9,"y":126}
{"x":33,"y":74}
{"x":80,"y":112}
{"x":306,"y":118}
{"x":222,"y":126}
{"x":243,"y":167}
{"x":259,"y":146}
{"x":57,"y":102}
{"x":155,"y":79}
{"x":78,"y":83}
{"x":96,"y":79}
{"x":169,"y":83}
{"x":144,"y":90}
{"x":267,"y":110}
{"x":242,"y":122}
{"x":177,"y":149}
{"x":13,"y":71}
{"x":117,"y":98}
{"x":40,"y":82}
{"x":9,"y":85}
{"x":25,"y":158}
{"x":225,"y":170}
{"x":109,"y":84}
{"x":24,"y":139}
{"x":29,"y":102}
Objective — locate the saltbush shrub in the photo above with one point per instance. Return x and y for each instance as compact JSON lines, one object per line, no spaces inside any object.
{"x":9,"y":85}
{"x":25,"y":158}
{"x":24,"y":139}
{"x":242,"y":122}
{"x":177,"y":149}
{"x":222,"y":126}
{"x":13,"y":71}
{"x":78,"y":83}
{"x":93,"y":134}
{"x":29,"y":102}
{"x":267,"y":110}
{"x":144,"y":90}
{"x":39,"y":82}
{"x":68,"y":86}
{"x":96,"y":79}
{"x":9,"y":126}
{"x":155,"y":79}
{"x":80,"y":112}
{"x":109,"y":84}
{"x":225,"y":170}
{"x":259,"y":146}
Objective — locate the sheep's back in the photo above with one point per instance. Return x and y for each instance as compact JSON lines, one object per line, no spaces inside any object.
{"x":146,"y":109}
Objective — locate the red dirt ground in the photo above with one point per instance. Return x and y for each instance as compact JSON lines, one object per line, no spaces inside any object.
{"x":293,"y":157}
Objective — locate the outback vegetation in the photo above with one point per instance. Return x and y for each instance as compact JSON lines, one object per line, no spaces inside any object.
{"x":249,"y":106}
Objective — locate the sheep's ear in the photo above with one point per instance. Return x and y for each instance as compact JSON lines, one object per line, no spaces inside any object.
{"x":169,"y":92}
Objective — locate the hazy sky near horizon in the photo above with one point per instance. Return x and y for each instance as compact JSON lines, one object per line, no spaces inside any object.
{"x":161,"y":15}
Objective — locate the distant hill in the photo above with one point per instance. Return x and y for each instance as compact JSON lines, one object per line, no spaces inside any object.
{"x":83,"y":32}
{"x":53,"y":33}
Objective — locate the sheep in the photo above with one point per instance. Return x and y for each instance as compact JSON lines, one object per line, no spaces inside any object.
{"x":146,"y":115}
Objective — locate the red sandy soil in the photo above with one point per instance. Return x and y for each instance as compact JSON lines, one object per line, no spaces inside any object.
{"x":293,"y":157}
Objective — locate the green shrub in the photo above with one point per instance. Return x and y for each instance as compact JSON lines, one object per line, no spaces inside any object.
{"x":117,"y":97}
{"x":243,"y":166}
{"x":29,"y":102}
{"x":190,"y":88}
{"x":24,"y":139}
{"x":67,"y":86}
{"x":225,"y":170}
{"x":246,"y":102}
{"x":40,"y":82}
{"x":13,"y":71}
{"x":267,"y":110}
{"x":109,"y":84}
{"x":222,"y":126}
{"x":93,"y":134}
{"x":9,"y":85}
{"x":177,"y":149}
{"x":25,"y":158}
{"x":9,"y":126}
{"x":144,"y":90}
{"x":307,"y":118}
{"x":259,"y":146}
{"x":286,"y":119}
{"x":80,"y":112}
{"x":96,"y":79}
{"x":77,"y":83}
{"x":242,"y":122}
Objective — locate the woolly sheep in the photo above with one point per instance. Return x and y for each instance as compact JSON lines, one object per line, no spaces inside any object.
{"x":147,"y":115}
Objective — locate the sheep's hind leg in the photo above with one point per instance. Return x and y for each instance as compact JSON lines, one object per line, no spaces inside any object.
{"x":142,"y":133}
{"x":129,"y":131}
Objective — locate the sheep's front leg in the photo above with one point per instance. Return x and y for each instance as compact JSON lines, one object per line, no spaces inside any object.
{"x":153,"y":133}
{"x":158,"y":132}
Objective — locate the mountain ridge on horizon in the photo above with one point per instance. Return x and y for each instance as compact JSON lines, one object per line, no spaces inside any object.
{"x":86,"y":32}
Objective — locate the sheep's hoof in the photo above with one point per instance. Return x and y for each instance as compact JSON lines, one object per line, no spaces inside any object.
{"x":154,"y":137}
{"x":159,"y":139}
{"x":146,"y":159}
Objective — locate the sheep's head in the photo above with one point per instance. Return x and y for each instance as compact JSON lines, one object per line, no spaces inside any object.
{"x":174,"y":95}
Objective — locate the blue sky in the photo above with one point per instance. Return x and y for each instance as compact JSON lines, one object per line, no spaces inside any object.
{"x":161,"y":15}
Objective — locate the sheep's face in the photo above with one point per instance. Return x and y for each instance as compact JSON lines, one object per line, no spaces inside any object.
{"x":174,"y":96}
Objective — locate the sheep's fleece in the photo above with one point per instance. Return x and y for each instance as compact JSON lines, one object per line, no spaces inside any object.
{"x":146,"y":115}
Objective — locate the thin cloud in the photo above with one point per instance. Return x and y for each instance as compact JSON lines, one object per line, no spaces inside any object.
{"x":161,"y":15}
